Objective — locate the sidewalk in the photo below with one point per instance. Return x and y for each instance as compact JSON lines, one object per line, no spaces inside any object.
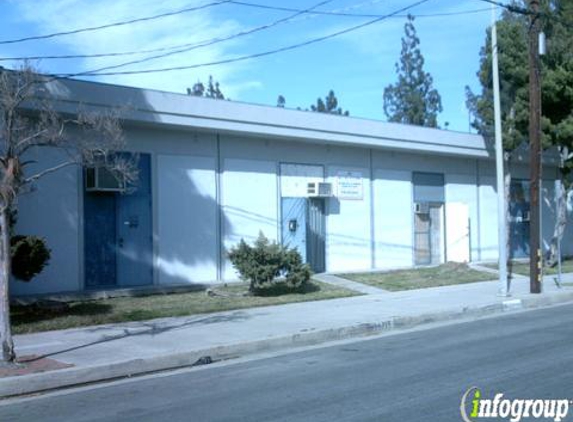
{"x":110,"y":351}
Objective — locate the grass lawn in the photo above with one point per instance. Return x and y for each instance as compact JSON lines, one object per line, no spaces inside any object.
{"x":122,"y":309}
{"x":523,"y":268}
{"x":420,"y":278}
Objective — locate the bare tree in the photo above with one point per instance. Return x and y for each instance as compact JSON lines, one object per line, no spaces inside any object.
{"x":29,"y":122}
{"x":562,"y":192}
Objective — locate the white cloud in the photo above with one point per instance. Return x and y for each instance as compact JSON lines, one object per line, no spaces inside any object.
{"x":441,"y":36}
{"x":185,"y":28}
{"x":239,"y":87}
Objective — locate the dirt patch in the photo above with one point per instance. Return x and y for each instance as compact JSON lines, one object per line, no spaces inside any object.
{"x":31,"y":364}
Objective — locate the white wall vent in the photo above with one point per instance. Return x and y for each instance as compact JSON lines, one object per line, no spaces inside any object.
{"x":101,"y":179}
{"x":319,"y":189}
{"x":422,"y":208}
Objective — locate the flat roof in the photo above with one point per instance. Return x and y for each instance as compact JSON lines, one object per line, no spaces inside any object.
{"x":183,"y":111}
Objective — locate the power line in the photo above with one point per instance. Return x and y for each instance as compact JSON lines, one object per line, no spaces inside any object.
{"x":251,"y":56}
{"x":113,"y":54}
{"x":208,"y":41}
{"x":115,"y":24}
{"x":527,"y":12}
{"x":510,"y":7}
{"x":214,"y":41}
{"x":159,"y":49}
{"x":433,"y":15}
{"x":352,"y":15}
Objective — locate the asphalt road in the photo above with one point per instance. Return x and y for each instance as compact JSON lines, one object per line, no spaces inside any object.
{"x":415,"y":376}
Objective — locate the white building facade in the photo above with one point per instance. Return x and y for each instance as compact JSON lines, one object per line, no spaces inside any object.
{"x":349,"y":194}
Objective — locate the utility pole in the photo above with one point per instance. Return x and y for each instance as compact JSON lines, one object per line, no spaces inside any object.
{"x":501,"y":220}
{"x":535,"y":261}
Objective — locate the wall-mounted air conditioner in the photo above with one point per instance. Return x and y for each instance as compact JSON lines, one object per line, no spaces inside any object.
{"x":319,"y":189}
{"x":422,"y":208}
{"x":101,"y":179}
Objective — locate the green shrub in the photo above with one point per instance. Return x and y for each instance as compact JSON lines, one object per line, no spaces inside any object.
{"x":265,"y":262}
{"x":297,"y":273}
{"x":29,"y":256}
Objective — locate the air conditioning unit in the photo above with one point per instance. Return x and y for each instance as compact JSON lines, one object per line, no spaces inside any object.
{"x":422,"y":208}
{"x":319,"y":189}
{"x":101,"y":179}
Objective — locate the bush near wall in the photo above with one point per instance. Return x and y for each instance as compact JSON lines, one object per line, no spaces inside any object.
{"x":265,"y":262}
{"x":29,"y":256}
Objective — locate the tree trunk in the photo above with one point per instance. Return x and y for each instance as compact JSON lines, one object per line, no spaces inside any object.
{"x":561,"y":194}
{"x":8,"y":354}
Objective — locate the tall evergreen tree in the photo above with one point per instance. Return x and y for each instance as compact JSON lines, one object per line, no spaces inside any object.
{"x":412,"y":99}
{"x":212,"y":90}
{"x":198,"y":89}
{"x":557,"y":103}
{"x":328,"y":105}
{"x":512,"y":44}
{"x":557,"y":96}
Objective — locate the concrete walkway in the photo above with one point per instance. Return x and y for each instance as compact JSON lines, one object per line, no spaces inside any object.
{"x":111,"y":351}
{"x":494,"y":271}
{"x":348,"y":284}
{"x":483,"y":268}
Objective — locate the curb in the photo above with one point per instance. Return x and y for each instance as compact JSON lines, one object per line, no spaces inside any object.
{"x":45,"y":381}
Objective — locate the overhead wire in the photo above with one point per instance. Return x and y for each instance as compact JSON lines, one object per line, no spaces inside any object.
{"x":114,"y":24}
{"x":352,"y":15}
{"x":211,"y":42}
{"x":510,"y":7}
{"x":206,"y":42}
{"x":250,"y":56}
{"x":527,"y":12}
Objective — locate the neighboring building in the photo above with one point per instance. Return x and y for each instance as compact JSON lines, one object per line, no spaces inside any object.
{"x":350,"y":194}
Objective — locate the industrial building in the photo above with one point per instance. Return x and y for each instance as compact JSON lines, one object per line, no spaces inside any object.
{"x":350,"y":194}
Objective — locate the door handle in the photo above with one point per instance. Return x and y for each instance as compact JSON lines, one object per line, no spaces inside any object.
{"x":132,"y":222}
{"x":120,"y":242}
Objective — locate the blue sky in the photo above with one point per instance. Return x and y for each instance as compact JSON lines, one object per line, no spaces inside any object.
{"x":357,"y":65}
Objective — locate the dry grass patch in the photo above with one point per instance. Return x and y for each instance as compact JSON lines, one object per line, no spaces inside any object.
{"x":522,"y":267}
{"x":419,"y":278}
{"x":122,"y":309}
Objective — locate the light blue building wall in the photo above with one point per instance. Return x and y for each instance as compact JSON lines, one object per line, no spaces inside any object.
{"x":216,"y":178}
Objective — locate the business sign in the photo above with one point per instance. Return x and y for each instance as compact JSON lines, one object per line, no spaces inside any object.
{"x":475,"y":407}
{"x":350,"y":185}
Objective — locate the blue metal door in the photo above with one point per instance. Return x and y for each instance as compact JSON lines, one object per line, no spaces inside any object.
{"x":315,"y":234}
{"x":118,"y":235}
{"x":100,"y":239}
{"x":134,"y":240}
{"x":519,"y":218}
{"x":303,"y":228}
{"x":294,"y":222}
